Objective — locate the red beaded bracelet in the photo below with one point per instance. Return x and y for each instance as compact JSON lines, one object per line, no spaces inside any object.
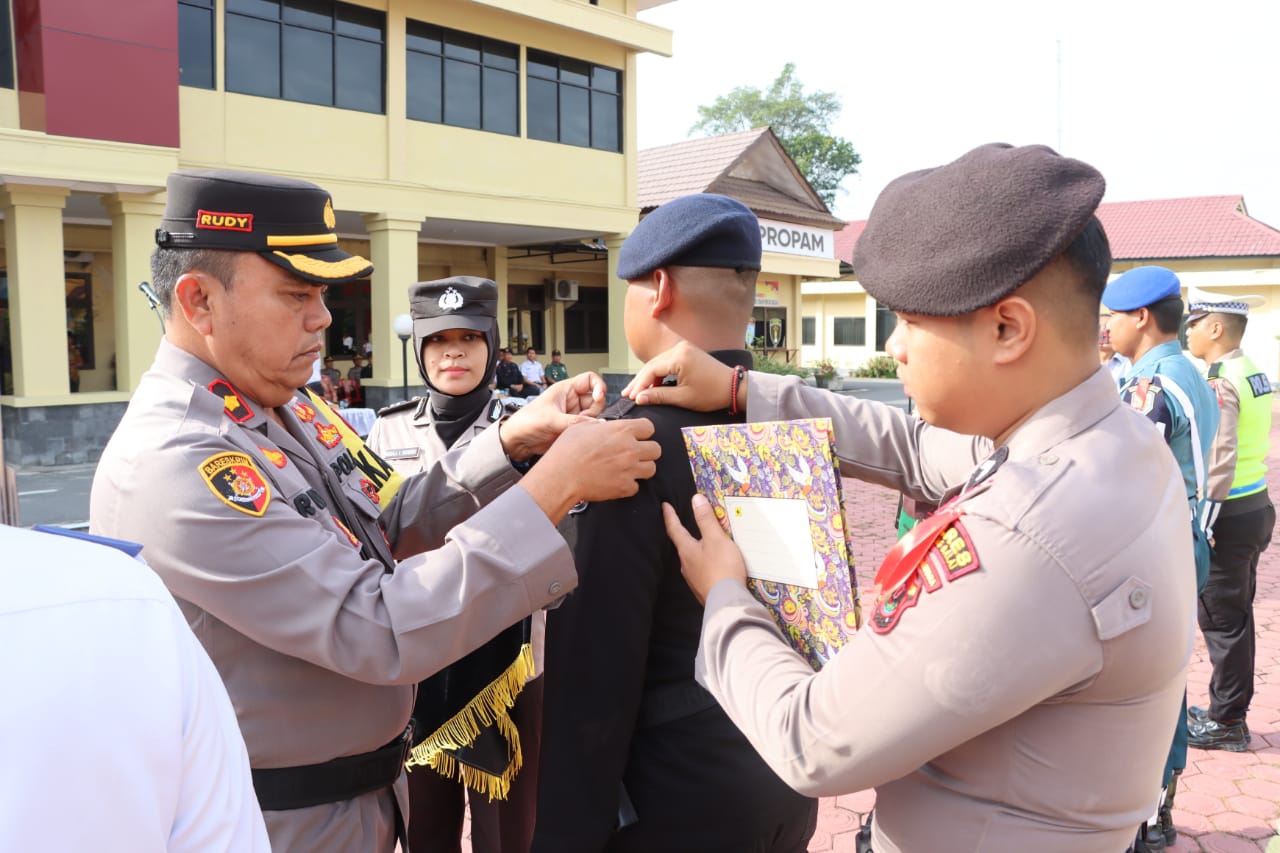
{"x":738,"y":373}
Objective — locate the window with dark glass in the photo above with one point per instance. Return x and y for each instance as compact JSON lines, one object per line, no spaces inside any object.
{"x":462,"y":80}
{"x":6,"y":46}
{"x":886,"y":320}
{"x":850,"y":332}
{"x":573,"y":102}
{"x":586,"y":322}
{"x":808,"y":331}
{"x":313,"y":51}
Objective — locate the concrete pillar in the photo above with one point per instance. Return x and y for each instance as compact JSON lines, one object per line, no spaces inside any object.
{"x":134,"y":219}
{"x":621,"y":361}
{"x":37,"y":288}
{"x":393,"y":248}
{"x":499,"y":273}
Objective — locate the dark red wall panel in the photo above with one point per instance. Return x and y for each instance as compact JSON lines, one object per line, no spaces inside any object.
{"x":107,"y":70}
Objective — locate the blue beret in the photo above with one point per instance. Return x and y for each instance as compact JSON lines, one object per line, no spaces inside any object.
{"x":1140,"y":287}
{"x":702,"y":230}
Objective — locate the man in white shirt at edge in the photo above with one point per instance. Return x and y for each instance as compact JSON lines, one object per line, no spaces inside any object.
{"x":531,"y":369}
{"x":117,"y":733}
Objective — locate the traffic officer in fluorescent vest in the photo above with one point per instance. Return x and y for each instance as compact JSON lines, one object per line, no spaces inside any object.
{"x":1242,"y":529}
{"x":278,"y":531}
{"x":476,"y":721}
{"x":1026,"y":645}
{"x":1162,"y":384}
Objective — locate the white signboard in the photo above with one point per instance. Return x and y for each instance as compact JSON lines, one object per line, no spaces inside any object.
{"x":791,"y":239}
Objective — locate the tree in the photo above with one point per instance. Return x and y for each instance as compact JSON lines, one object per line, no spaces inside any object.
{"x":800,"y":122}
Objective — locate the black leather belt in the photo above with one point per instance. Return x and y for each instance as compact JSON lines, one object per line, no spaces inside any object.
{"x":284,"y":788}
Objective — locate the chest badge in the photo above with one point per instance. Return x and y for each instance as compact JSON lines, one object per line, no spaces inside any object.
{"x":305,"y":413}
{"x":328,"y":435}
{"x":275,"y":457}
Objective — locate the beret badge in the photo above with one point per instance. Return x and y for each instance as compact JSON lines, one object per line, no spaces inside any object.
{"x":450,"y":300}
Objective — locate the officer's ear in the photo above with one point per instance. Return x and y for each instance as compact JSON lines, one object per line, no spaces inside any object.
{"x":664,"y":292}
{"x":1014,"y":323}
{"x":191,"y":294}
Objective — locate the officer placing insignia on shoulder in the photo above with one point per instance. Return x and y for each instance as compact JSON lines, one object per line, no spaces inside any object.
{"x":322,"y":582}
{"x":1026,"y":703}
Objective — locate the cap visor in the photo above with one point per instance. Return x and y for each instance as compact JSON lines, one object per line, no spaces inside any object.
{"x":328,"y":265}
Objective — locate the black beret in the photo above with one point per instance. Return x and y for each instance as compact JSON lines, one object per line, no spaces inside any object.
{"x":287,"y":221}
{"x":956,"y":238}
{"x":702,"y":230}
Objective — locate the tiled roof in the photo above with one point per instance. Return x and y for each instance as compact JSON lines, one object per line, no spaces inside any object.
{"x":751,"y":166}
{"x":768,"y":202}
{"x":1206,"y":227}
{"x":845,"y":239}
{"x":670,"y":171}
{"x":1216,"y":226}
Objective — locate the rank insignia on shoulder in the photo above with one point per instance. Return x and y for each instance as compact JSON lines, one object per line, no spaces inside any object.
{"x":275,"y":457}
{"x":305,"y":413}
{"x":232,"y":403}
{"x":233,"y":478}
{"x":401,"y":453}
{"x":396,"y":407}
{"x":495,"y":410}
{"x":943,"y":552}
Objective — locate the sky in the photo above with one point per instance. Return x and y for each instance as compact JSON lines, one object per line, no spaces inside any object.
{"x":1167,"y":99}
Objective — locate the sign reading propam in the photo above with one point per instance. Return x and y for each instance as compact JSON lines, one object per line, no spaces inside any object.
{"x":791,"y":239}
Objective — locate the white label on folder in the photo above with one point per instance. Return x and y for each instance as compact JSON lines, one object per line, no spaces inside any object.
{"x":774,"y":536}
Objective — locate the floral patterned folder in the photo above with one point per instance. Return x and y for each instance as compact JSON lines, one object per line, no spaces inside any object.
{"x":770,"y":480}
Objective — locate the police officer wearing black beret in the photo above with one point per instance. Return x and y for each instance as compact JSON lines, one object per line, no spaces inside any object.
{"x":636,"y":756}
{"x":1024,"y":654}
{"x":300,"y":557}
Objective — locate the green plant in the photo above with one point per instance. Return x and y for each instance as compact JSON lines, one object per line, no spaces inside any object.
{"x":878,"y":367}
{"x":824,"y":368}
{"x":765,"y":364}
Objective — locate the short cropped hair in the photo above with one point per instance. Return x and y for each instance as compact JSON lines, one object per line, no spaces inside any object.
{"x":169,"y":265}
{"x":1167,"y":314}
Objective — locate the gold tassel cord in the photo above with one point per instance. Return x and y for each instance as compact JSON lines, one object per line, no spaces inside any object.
{"x":488,"y":707}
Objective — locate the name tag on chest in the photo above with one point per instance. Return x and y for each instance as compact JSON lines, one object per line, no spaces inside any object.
{"x":396,"y":453}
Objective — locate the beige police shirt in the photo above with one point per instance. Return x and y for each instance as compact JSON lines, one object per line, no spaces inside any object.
{"x":286,"y":577}
{"x":1024,"y":703}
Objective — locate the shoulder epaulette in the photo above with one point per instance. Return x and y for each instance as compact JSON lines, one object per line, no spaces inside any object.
{"x":1215,"y":370}
{"x":618,"y":410}
{"x":401,"y":406}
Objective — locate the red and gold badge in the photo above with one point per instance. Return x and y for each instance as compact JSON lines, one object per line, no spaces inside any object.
{"x":328,"y":435}
{"x":370,"y":490}
{"x":305,"y":413}
{"x":275,"y":457}
{"x":937,"y":549}
{"x":239,"y":485}
{"x":351,"y":537}
{"x":232,"y":403}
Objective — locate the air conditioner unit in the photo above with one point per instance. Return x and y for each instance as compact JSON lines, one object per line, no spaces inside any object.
{"x":565,"y":290}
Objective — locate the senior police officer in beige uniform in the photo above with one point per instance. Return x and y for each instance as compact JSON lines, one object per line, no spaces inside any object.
{"x":1022,"y":667}
{"x":278,"y":531}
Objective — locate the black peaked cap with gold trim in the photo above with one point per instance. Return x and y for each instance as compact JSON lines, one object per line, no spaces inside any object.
{"x":289,"y":222}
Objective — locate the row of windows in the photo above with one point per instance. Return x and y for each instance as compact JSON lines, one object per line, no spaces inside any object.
{"x":851,"y":331}
{"x":332,"y":53}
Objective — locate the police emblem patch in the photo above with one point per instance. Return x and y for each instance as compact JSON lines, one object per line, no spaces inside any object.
{"x":450,"y":300}
{"x":1142,"y":395}
{"x":305,"y":413}
{"x":328,"y":435}
{"x":275,"y":457}
{"x":232,"y":403}
{"x":239,"y":485}
{"x":909,"y":572}
{"x":370,"y":490}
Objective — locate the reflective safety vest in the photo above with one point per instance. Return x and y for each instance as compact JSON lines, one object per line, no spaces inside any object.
{"x":1253,"y":435}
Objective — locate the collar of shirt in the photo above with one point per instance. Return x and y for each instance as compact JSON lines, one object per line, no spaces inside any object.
{"x":1068,"y":415}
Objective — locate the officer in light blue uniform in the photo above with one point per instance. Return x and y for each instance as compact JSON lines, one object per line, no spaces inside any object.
{"x":1146,"y":311}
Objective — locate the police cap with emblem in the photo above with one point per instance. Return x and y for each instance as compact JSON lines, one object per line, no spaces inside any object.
{"x":950,"y":240}
{"x":459,"y":302}
{"x":1141,"y":287}
{"x":286,"y":221}
{"x":701,"y":230}
{"x":1204,"y":302}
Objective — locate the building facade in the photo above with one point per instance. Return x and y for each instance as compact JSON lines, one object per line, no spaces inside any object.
{"x":1211,"y":242}
{"x":479,"y":137}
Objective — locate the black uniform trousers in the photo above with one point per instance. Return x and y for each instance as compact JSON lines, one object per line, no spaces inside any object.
{"x":1226,"y":605}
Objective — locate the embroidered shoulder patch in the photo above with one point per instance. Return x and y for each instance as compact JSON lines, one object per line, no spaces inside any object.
{"x":1142,"y":395}
{"x":1259,"y":384}
{"x":232,"y":403}
{"x":236,"y":482}
{"x":951,"y":556}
